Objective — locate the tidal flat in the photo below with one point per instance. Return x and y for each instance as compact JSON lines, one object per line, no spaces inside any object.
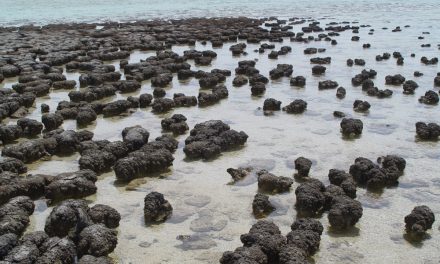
{"x":114,"y":66}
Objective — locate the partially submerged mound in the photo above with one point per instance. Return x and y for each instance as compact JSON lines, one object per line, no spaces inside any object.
{"x":351,"y":127}
{"x":152,"y":157}
{"x":265,"y":244}
{"x":367,"y":173}
{"x":14,"y":215}
{"x":176,"y":124}
{"x":90,"y":230}
{"x":271,"y":183}
{"x":427,"y":131}
{"x":313,"y":198}
{"x":156,"y":208}
{"x":418,"y":221}
{"x":210,"y":138}
{"x":261,"y":205}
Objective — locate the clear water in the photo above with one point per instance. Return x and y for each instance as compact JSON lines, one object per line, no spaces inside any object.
{"x":13,"y":12}
{"x":199,"y":191}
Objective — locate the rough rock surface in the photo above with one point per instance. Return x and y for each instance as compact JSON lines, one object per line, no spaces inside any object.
{"x":261,"y":205}
{"x":351,"y":126}
{"x":14,"y":215}
{"x":274,"y":184}
{"x":265,"y":244}
{"x":419,"y":220}
{"x":303,"y":165}
{"x":176,"y":124}
{"x":156,"y":208}
{"x":427,"y":131}
{"x":152,"y":157}
{"x":210,"y":138}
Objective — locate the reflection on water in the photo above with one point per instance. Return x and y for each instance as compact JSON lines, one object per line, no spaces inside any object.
{"x":210,"y":214}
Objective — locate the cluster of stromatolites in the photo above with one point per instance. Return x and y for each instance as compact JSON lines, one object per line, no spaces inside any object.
{"x":265,"y":244}
{"x":39,"y":57}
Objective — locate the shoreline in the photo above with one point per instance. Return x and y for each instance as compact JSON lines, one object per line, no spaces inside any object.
{"x":89,"y":25}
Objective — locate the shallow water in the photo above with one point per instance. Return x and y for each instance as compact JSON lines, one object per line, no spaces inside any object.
{"x":14,"y":12}
{"x":215,"y":213}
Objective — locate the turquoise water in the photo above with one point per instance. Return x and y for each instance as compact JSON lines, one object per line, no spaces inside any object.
{"x":17,"y":12}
